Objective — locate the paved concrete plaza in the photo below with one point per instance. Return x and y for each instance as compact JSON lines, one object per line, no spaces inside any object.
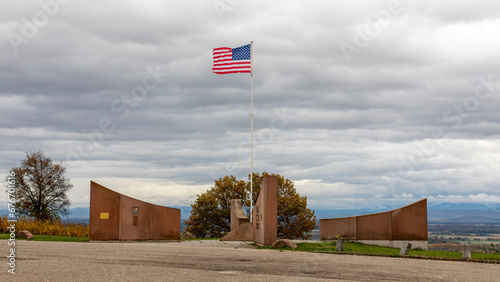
{"x":215,"y":261}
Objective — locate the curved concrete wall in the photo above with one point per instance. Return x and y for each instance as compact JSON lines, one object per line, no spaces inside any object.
{"x":114,"y":216}
{"x":408,"y":223}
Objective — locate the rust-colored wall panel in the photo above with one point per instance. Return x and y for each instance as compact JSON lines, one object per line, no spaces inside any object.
{"x":129,"y":218}
{"x":406,"y":223}
{"x":129,"y":231}
{"x":103,"y":201}
{"x":376,"y":226}
{"x":265,"y":213}
{"x":164,"y":223}
{"x":330,"y":228}
{"x":410,"y":222}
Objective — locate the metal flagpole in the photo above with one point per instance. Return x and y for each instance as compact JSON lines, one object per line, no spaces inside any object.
{"x":251,"y":130}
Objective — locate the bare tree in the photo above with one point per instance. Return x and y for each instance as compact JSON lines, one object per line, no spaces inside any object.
{"x":40,"y":187}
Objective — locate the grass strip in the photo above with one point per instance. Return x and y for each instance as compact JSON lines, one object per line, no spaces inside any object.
{"x":362,"y":249}
{"x":50,"y":238}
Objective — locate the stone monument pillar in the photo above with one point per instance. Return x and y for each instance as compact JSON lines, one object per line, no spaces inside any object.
{"x":466,"y":253}
{"x":405,"y":249}
{"x":340,"y":244}
{"x":265,"y":213}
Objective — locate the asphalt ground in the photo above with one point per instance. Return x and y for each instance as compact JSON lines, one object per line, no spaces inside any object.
{"x":216,"y":261}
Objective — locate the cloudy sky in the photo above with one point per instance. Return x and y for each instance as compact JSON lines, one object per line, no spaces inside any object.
{"x":364,"y":104}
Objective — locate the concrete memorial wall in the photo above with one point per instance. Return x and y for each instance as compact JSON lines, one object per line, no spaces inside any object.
{"x":265,"y":213}
{"x":114,"y":216}
{"x":391,"y":228}
{"x":241,"y":227}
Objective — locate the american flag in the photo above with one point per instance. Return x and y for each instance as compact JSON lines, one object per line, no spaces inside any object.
{"x":227,"y":60}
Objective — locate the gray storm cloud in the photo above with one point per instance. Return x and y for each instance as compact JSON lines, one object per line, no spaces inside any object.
{"x":408,"y":111}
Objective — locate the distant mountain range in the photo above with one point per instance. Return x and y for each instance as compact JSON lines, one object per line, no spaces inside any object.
{"x":442,"y":213}
{"x":464,"y":206}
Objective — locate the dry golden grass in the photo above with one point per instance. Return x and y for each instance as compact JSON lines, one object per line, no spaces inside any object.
{"x":46,"y":227}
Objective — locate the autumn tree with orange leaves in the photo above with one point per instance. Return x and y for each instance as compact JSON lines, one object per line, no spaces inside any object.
{"x":211,"y":211}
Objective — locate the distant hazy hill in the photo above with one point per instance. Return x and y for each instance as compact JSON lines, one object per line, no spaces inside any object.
{"x":464,"y":213}
{"x":442,"y":213}
{"x":76,"y":215}
{"x":463,"y":216}
{"x":463,"y":206}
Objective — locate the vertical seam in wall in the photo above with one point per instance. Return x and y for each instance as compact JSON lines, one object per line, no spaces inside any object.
{"x":356,"y":226}
{"x":149,"y":222}
{"x":119,"y":216}
{"x":392,"y":224}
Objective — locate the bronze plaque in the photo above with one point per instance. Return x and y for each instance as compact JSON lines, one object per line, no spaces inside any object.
{"x":135,"y":221}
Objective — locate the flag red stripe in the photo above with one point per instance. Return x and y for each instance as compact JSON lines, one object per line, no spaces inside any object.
{"x":220,"y":72}
{"x":232,"y":67}
{"x":232,"y":63}
{"x":223,"y":56}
